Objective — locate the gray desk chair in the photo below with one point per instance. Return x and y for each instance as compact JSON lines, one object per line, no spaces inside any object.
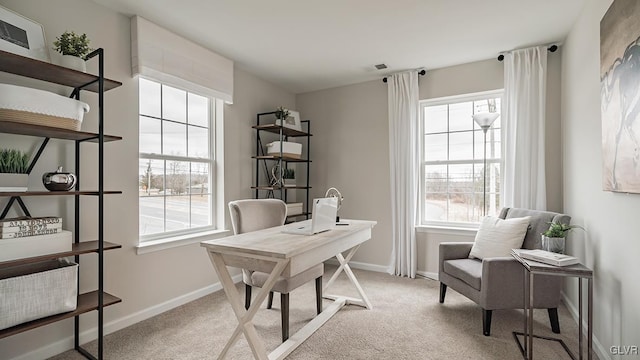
{"x":498,"y":283}
{"x":257,"y":214}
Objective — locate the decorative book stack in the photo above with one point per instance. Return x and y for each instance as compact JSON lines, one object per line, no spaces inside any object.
{"x":549,"y":258}
{"x":26,"y":237}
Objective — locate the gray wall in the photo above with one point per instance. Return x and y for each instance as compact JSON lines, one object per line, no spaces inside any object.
{"x":610,"y":245}
{"x":351,"y":149}
{"x":147,"y":283}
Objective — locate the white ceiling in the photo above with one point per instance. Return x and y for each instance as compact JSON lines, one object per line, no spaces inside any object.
{"x":311,"y":45}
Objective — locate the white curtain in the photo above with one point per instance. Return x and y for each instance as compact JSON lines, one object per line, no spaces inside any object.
{"x":523,"y":118}
{"x":403,"y":156}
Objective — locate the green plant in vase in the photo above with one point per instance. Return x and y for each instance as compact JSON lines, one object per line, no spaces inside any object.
{"x":554,"y":238}
{"x":74,"y":49}
{"x":14,"y":165}
{"x":289,"y":176}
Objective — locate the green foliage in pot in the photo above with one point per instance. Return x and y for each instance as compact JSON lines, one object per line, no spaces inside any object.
{"x":13,"y":161}
{"x":70,"y":43}
{"x":289,"y":174}
{"x":281,"y":113}
{"x":557,"y":230}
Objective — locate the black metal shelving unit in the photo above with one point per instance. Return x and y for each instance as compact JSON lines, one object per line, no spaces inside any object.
{"x":94,"y":300}
{"x":265,"y":123}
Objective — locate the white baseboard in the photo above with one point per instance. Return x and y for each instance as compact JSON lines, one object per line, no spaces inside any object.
{"x":600,"y":350}
{"x":380,"y":268}
{"x":86,"y":336}
{"x":428,"y":275}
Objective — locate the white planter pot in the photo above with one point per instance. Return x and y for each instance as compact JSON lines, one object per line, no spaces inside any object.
{"x":73,"y":62}
{"x":13,"y":182}
{"x":289,"y":182}
{"x":553,"y":244}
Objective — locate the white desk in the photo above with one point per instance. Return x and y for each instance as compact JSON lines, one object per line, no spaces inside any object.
{"x":274,"y":252}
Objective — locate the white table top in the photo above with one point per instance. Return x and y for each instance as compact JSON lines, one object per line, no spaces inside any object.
{"x":274,"y":243}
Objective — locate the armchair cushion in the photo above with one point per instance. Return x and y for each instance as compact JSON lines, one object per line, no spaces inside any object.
{"x":496,"y":237}
{"x":467,"y":270}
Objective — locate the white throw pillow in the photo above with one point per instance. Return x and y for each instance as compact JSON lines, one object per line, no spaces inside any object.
{"x":496,"y":237}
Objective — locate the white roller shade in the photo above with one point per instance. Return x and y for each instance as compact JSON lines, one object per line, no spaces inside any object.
{"x":174,"y":60}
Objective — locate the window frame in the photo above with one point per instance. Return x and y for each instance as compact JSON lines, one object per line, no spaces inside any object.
{"x":449,"y":100}
{"x":215,"y":154}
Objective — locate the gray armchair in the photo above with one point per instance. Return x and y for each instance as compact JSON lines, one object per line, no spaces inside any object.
{"x":498,"y":283}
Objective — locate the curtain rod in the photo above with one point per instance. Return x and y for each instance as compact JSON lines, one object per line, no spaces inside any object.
{"x":421,"y":72}
{"x":551,"y":48}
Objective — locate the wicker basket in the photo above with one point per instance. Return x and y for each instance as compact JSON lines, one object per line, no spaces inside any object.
{"x":38,"y":107}
{"x":33,"y":291}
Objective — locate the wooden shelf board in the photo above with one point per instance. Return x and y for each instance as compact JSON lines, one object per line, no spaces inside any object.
{"x":84,"y":247}
{"x":41,"y":70}
{"x":11,"y":127}
{"x":275,"y":157}
{"x":273,"y":128}
{"x":55,"y":193}
{"x":86,"y":302}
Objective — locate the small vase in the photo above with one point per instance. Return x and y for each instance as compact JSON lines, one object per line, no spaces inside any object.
{"x":73,"y":62}
{"x":553,"y":244}
{"x":13,"y":182}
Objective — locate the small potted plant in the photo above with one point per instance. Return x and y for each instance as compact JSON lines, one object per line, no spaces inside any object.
{"x":554,"y":238}
{"x":74,"y":49}
{"x":281,"y":115}
{"x":13,"y":170}
{"x":289,"y":176}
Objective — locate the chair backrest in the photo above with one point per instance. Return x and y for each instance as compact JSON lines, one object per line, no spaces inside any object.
{"x":256,"y":214}
{"x":539,"y":223}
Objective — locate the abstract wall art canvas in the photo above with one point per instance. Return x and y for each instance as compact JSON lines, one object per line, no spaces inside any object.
{"x":620,"y":96}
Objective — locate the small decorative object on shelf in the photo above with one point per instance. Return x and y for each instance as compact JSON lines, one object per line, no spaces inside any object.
{"x":289,"y":149}
{"x":13,"y":170}
{"x":27,"y":226}
{"x":289,"y":177}
{"x":281,"y":113}
{"x":288,"y":118}
{"x":554,"y":239}
{"x":59,"y":180}
{"x":74,"y":49}
{"x":22,"y":36}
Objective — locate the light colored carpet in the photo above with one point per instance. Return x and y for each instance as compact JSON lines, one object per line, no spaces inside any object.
{"x":406,"y":322}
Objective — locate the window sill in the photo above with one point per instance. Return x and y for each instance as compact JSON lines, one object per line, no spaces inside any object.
{"x":181,"y":240}
{"x":446,"y":230}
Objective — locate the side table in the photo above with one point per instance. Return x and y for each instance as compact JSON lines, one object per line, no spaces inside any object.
{"x":532,"y":268}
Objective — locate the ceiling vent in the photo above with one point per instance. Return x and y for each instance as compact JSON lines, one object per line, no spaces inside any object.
{"x":381,"y":66}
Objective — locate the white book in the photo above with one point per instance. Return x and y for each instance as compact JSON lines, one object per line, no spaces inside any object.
{"x":548,"y":257}
{"x":18,"y":248}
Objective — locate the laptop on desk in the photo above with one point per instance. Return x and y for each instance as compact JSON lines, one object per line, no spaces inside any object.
{"x":323,"y":217}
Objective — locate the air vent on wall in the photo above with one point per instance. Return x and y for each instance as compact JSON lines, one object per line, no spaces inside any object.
{"x":380,"y":66}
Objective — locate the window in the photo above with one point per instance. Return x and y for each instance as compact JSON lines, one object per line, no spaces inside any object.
{"x":452,"y":160}
{"x":176,"y":161}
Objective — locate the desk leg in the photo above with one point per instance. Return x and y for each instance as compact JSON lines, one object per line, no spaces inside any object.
{"x":344,"y":265}
{"x":245,"y":317}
